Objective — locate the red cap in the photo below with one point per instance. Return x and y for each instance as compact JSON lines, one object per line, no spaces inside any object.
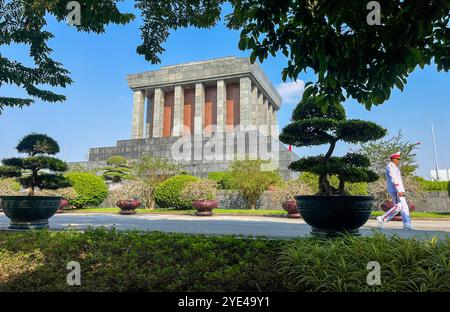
{"x":395,"y":156}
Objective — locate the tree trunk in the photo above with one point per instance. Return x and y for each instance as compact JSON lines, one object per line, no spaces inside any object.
{"x":341,"y":186}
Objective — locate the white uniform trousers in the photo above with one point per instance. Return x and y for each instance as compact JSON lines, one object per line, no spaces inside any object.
{"x":401,"y":205}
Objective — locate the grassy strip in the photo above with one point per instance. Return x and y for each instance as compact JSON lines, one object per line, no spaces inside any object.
{"x":422,"y":215}
{"x":140,"y":261}
{"x":243,"y":212}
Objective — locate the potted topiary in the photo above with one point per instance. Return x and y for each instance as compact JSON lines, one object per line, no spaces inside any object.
{"x":38,"y":170}
{"x":202,"y":194}
{"x":117,"y":169}
{"x":332,"y":211}
{"x":286,"y":195}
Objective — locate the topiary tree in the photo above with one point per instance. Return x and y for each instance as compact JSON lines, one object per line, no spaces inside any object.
{"x":38,"y":170}
{"x":117,"y":169}
{"x":311,"y":125}
{"x":168,"y":193}
{"x":91,"y":189}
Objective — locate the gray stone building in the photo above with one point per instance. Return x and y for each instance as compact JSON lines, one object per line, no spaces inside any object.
{"x":203,"y":115}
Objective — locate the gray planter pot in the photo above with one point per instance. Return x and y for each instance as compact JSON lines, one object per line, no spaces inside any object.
{"x":29,"y":212}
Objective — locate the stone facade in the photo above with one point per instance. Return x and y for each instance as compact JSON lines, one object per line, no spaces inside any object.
{"x":203,"y":115}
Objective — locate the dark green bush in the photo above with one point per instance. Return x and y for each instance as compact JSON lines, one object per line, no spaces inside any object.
{"x":168,"y":193}
{"x":91,"y":189}
{"x":154,"y":261}
{"x":223,"y":180}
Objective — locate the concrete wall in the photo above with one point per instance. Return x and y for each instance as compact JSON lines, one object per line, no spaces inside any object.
{"x":206,"y":155}
{"x":433,"y":201}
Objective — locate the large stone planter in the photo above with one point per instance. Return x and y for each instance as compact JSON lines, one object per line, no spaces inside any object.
{"x":29,"y":212}
{"x":331,"y":216}
{"x":204,"y":207}
{"x":128,"y":207}
{"x":291,"y":207}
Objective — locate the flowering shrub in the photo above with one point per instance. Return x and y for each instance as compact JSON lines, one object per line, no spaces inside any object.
{"x":204,"y":189}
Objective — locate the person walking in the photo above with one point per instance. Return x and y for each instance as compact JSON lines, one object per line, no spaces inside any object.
{"x":396,"y":190}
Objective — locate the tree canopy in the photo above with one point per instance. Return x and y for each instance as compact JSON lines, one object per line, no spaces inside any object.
{"x":351,"y":58}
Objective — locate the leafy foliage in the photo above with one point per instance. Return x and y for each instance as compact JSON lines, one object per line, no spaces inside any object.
{"x":312,"y":182}
{"x":9,"y":186}
{"x":379,"y":151}
{"x":313,"y":126}
{"x":433,"y":186}
{"x":342,"y":263}
{"x":289,"y":189}
{"x":135,"y":189}
{"x":168,"y":193}
{"x":91,"y":189}
{"x":149,"y":172}
{"x":36,"y":170}
{"x":23,"y":22}
{"x":223,"y":179}
{"x":204,"y":189}
{"x":251,"y":182}
{"x":117,"y":169}
{"x":349,"y":57}
{"x":154,"y":261}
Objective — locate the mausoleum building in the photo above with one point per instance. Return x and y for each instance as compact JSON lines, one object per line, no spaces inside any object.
{"x":203,"y":115}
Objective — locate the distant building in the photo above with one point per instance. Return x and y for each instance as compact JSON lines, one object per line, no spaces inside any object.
{"x":444,"y":174}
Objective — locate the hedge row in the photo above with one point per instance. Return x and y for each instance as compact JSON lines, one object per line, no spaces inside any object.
{"x":434,"y":186}
{"x":142,"y":261}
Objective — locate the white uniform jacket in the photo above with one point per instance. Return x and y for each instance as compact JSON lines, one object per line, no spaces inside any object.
{"x":394,"y":179}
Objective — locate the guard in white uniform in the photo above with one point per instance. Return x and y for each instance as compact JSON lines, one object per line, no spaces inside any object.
{"x":396,"y":190}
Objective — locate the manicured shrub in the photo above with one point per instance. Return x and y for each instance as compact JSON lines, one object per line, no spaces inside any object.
{"x":433,"y":186}
{"x":91,"y":189}
{"x":117,"y":169}
{"x":168,"y":193}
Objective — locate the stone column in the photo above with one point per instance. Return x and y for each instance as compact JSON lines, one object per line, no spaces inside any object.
{"x":158,"y":113}
{"x":265,"y":113}
{"x":221,"y":105}
{"x":259,"y":107}
{"x":199,"y":107}
{"x":178,"y":112}
{"x":254,"y":106}
{"x":269,"y":118}
{"x":137,"y":126}
{"x":245,"y":89}
{"x":149,"y":118}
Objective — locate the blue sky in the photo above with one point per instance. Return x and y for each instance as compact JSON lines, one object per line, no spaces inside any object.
{"x":99,"y":103}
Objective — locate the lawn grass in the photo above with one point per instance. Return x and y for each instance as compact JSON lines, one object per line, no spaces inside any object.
{"x":112,"y":260}
{"x":244,"y":212}
{"x":237,"y":212}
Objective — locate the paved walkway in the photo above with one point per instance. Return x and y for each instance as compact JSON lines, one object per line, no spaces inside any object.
{"x":239,"y":225}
